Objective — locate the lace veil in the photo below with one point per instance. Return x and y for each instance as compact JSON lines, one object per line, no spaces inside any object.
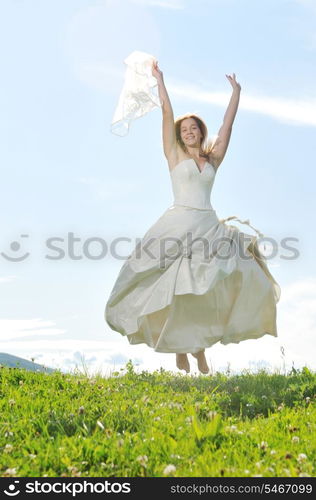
{"x":137,"y":96}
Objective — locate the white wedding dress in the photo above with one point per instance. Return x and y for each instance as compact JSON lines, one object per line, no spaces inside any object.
{"x":193,"y":280}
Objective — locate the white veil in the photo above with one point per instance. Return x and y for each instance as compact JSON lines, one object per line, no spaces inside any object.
{"x":137,"y":97}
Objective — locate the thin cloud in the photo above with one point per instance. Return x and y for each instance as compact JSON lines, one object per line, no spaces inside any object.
{"x":12,"y":329}
{"x":290,"y":111}
{"x":7,"y":279}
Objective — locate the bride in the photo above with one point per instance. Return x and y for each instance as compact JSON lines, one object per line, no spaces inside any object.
{"x":198,"y":297}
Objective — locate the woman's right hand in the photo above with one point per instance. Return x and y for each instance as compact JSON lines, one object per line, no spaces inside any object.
{"x":156,"y":72}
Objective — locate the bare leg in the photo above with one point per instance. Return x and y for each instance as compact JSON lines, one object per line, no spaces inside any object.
{"x":182,"y":362}
{"x":202,"y":364}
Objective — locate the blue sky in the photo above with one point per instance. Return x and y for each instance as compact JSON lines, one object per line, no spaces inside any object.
{"x":63,"y":171}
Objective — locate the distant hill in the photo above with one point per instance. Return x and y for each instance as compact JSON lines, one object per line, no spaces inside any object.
{"x":16,"y":362}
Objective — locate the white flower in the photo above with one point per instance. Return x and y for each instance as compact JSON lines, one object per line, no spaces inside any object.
{"x":263,"y":445}
{"x":100,"y":425}
{"x":11,"y":471}
{"x":8,"y":448}
{"x":170,"y":469}
{"x":142,"y":459}
{"x":295,"y":439}
{"x":301,"y":457}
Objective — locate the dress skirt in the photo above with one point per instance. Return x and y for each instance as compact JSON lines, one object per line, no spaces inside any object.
{"x":192,"y":281}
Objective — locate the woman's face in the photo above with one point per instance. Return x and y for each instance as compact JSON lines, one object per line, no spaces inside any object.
{"x":190,"y":133}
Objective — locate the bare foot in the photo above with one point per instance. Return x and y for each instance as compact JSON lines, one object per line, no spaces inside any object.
{"x":202,"y":364}
{"x":182,"y":362}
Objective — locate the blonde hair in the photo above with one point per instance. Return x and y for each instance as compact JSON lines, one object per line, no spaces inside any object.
{"x":206,"y":145}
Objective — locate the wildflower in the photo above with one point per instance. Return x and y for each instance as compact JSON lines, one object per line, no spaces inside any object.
{"x":11,"y":471}
{"x":74,"y":471}
{"x":120,"y":443}
{"x":8,"y":448}
{"x":11,"y":402}
{"x":142,"y":459}
{"x":211,"y":415}
{"x":308,"y":399}
{"x":246,"y":471}
{"x":263,"y":445}
{"x":272,"y":452}
{"x":100,"y":425}
{"x":32,"y":456}
{"x":263,"y":397}
{"x":304,"y":474}
{"x":21,"y":382}
{"x":292,"y":428}
{"x":81,"y":409}
{"x":233,"y":427}
{"x":301,"y":457}
{"x":157,"y":418}
{"x":295,"y":439}
{"x":170,"y":469}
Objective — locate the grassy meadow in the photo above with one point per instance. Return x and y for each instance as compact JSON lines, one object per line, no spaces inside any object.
{"x":157,"y":424}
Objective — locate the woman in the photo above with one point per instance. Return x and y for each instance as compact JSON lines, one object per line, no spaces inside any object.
{"x":182,"y":297}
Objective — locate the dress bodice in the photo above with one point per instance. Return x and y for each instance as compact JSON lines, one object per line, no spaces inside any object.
{"x":192,"y":187}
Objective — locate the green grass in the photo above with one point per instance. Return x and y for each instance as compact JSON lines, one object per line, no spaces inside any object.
{"x":130,"y":424}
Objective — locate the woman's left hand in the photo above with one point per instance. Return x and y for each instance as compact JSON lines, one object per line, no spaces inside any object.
{"x":232,"y":81}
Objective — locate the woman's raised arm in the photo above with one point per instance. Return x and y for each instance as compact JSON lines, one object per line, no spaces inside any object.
{"x":168,"y":129}
{"x":222,"y":141}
